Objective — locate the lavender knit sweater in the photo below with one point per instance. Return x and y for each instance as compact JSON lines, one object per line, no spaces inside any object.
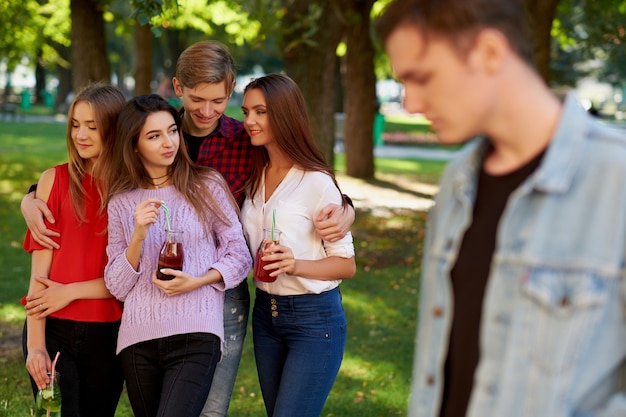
{"x":148,"y":312}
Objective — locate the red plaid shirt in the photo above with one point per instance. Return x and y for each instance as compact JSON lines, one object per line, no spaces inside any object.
{"x":226,"y":149}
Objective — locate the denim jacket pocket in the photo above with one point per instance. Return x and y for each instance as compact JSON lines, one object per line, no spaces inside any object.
{"x":561,"y":309}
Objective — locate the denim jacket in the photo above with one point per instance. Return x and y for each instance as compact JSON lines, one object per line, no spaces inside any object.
{"x":553,"y":328}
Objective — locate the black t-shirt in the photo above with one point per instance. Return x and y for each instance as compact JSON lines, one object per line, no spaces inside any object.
{"x":469,"y":278}
{"x":193,"y":145}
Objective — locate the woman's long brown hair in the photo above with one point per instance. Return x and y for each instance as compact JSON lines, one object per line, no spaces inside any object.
{"x":126,"y":171}
{"x":289,"y":123}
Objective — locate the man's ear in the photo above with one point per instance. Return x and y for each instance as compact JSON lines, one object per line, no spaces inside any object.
{"x":178,"y":88}
{"x":489,"y":51}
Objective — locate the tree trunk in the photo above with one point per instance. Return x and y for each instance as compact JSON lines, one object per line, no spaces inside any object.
{"x":144,"y":67}
{"x":64,"y":74}
{"x":89,"y":58}
{"x":310,"y":60}
{"x":40,"y":79}
{"x":540,"y":16}
{"x":359,"y":91}
{"x":63,"y":90}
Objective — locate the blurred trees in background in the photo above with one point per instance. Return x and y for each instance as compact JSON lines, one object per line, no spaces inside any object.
{"x":326,"y":46}
{"x":590,"y":40}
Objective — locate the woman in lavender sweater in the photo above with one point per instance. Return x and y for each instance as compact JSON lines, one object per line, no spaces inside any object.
{"x":171,"y":331}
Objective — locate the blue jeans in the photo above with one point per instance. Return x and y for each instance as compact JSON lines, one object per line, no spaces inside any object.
{"x":299,"y":343}
{"x":236,"y":311}
{"x":91,"y":375}
{"x":170,"y":376}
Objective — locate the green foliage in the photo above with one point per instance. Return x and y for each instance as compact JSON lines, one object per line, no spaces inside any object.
{"x":223,"y":20}
{"x":589,"y":40}
{"x":303,"y":26}
{"x":382,"y":66}
{"x":32,"y":29}
{"x":13,"y":40}
{"x":145,"y":10}
{"x":199,"y":15}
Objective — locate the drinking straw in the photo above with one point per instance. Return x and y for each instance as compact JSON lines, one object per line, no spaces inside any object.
{"x":273,"y":223}
{"x":167,"y":220}
{"x":54,"y":364}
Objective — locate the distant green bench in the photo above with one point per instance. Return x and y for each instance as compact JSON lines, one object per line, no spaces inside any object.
{"x":16,"y":105}
{"x":10,"y":110}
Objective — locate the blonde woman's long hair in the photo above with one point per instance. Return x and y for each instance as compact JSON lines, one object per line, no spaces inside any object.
{"x":106,"y":103}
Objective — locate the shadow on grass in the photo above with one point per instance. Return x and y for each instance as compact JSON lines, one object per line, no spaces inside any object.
{"x":426,"y":192}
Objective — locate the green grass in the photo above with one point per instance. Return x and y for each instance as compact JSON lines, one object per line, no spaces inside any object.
{"x":407,"y":124}
{"x":380,"y":301}
{"x":234,"y":112}
{"x":417,"y":170}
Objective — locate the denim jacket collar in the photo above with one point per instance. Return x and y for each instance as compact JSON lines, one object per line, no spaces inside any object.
{"x":556,"y":171}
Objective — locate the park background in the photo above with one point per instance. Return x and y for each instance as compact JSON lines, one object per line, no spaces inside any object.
{"x":387,"y":161}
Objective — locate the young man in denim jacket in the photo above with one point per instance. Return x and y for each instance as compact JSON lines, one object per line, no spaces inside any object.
{"x":522,"y":308}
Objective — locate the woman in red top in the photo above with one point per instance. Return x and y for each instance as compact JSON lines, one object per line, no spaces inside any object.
{"x":69,"y":308}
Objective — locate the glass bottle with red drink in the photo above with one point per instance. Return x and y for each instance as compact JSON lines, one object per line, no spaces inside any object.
{"x":171,"y":255}
{"x":271,"y":237}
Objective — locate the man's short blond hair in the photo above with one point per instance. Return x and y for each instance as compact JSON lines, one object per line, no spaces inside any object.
{"x":206,"y":62}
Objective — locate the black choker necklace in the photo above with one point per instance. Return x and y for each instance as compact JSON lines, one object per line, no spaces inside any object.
{"x":163,"y":182}
{"x":158,"y":178}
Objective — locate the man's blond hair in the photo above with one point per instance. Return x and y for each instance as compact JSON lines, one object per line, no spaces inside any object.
{"x":206,"y":62}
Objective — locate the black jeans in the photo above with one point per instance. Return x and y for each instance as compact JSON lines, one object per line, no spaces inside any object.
{"x":91,"y":374}
{"x":170,"y":376}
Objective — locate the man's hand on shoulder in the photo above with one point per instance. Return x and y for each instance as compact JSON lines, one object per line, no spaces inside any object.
{"x":34,"y":211}
{"x":334,"y":222}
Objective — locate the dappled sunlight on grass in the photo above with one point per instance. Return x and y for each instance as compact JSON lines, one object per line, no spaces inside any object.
{"x":366,"y":305}
{"x":12,"y":313}
{"x":409,"y":119}
{"x":394,"y":240}
{"x":369,"y":387}
{"x":356,"y":368}
{"x":418,"y":169}
{"x":400,"y":165}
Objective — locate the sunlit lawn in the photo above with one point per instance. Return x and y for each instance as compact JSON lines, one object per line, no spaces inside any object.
{"x":407,"y":124}
{"x":380,"y":302}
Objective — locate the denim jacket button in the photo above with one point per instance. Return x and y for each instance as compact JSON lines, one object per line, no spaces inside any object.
{"x":430,"y":380}
{"x":438,"y":311}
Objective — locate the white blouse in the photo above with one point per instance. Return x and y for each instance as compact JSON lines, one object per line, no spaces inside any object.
{"x":298,"y":199}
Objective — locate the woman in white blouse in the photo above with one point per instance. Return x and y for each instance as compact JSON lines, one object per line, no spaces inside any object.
{"x":299,"y":325}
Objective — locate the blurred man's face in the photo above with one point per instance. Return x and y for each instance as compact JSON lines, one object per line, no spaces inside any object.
{"x":449,"y":88}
